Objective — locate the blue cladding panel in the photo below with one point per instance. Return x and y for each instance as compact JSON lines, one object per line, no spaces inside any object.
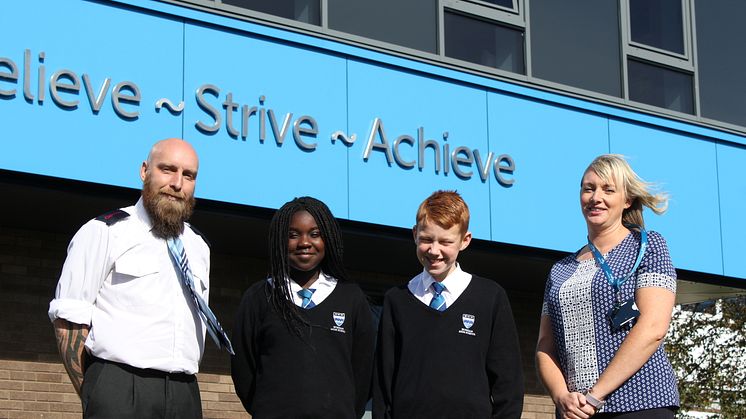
{"x":552,"y":147}
{"x":80,"y":37}
{"x":731,"y":164}
{"x":293,"y":80}
{"x":686,"y":168}
{"x":406,"y":102}
{"x":552,"y":138}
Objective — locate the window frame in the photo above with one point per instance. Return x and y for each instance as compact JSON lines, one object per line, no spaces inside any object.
{"x":490,"y":13}
{"x":651,"y":53}
{"x":683,"y":63}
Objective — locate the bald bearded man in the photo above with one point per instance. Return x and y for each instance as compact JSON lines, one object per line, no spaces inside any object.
{"x":126,"y":311}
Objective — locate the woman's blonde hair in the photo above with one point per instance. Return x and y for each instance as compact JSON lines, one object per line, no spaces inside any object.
{"x":613,"y":168}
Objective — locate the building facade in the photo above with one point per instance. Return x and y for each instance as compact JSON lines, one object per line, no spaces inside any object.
{"x":370,"y":107}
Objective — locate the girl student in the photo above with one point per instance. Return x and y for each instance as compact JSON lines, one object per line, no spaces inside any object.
{"x":304,"y":337}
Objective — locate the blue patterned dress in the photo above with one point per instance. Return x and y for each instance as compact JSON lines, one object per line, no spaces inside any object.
{"x":578,"y":296}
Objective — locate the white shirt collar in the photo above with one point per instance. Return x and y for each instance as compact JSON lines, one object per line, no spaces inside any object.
{"x":142,"y":214}
{"x":323,"y":287}
{"x":455,"y":284}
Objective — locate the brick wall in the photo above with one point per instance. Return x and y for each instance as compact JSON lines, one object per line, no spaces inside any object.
{"x":33,"y":382}
{"x":537,"y":407}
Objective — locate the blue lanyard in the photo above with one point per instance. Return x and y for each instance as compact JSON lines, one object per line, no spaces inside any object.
{"x":615,"y":282}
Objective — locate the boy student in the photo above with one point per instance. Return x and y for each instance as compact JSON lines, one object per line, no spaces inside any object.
{"x":447,"y":344}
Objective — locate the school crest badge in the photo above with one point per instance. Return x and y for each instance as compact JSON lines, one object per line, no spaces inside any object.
{"x":339,"y":318}
{"x":468,"y":321}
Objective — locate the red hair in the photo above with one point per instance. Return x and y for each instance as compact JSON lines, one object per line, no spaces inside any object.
{"x":446,"y":209}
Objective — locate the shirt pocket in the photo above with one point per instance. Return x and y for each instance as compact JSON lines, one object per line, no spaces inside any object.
{"x":136,"y":280}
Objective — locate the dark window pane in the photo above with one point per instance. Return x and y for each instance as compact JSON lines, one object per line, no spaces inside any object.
{"x":411,"y":23}
{"x":504,"y":3}
{"x":720,"y":61}
{"x":584,"y":51}
{"x":657,"y":23}
{"x":307,"y":11}
{"x":659,"y":86}
{"x":484,"y":43}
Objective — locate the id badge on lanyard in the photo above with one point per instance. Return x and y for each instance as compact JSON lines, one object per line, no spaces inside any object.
{"x":625,"y":312}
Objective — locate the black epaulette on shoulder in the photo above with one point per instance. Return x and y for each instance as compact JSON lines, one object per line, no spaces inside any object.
{"x":112,"y":217}
{"x":199,"y":233}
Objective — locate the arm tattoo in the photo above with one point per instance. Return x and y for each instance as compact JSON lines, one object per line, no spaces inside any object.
{"x":70,"y":343}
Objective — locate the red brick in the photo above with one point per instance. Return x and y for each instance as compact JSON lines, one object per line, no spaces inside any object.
{"x":33,"y":415}
{"x":22,"y":395}
{"x":22,"y":375}
{"x":45,"y":396}
{"x":227,"y":397}
{"x":225,"y":379}
{"x":66,"y":407}
{"x":36,"y":406}
{"x":34,"y":386}
{"x":47,"y":366}
{"x":10,"y":385}
{"x":218,"y":388}
{"x":49,"y":377}
{"x":208,"y":378}
{"x":224,"y":406}
{"x":71,"y":397}
{"x":217,"y":414}
{"x":61,"y":388}
{"x":10,"y":405}
{"x":12,"y":365}
{"x":209,"y":396}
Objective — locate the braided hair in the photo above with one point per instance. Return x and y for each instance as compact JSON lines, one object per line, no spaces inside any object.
{"x":279,"y":292}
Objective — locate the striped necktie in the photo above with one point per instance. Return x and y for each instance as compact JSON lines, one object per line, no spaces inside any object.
{"x":438,"y":302}
{"x":179,"y":258}
{"x":306,"y":294}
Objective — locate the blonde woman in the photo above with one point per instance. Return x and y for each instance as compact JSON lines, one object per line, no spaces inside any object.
{"x":608,"y":306}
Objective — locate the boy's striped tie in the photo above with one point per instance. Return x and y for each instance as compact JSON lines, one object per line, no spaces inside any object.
{"x":438,"y":302}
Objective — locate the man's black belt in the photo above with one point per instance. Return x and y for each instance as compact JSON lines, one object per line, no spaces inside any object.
{"x":147,"y":372}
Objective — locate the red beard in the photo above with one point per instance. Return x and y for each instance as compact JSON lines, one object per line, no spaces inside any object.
{"x":168,"y":216}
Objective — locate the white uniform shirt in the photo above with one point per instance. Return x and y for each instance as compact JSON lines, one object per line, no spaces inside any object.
{"x":120,"y":281}
{"x":455,"y":284}
{"x":323,"y":287}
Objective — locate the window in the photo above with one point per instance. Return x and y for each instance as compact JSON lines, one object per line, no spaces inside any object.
{"x":584,"y":50}
{"x":504,"y":3}
{"x":720,"y":63}
{"x":659,"y":65}
{"x":658,"y":24}
{"x":484,"y":43}
{"x":659,"y":86}
{"x":307,"y":11}
{"x":490,"y":33}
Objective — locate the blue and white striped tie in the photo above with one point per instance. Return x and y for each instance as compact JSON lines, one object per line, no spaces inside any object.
{"x":306,"y":294}
{"x":179,"y":258}
{"x":438,"y":302}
